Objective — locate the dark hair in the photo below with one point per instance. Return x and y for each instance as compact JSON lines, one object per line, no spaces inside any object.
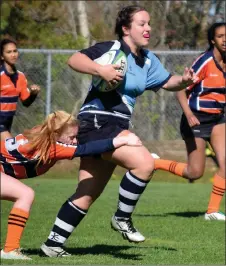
{"x":125,"y":17}
{"x":4,"y":42}
{"x":211,"y":33}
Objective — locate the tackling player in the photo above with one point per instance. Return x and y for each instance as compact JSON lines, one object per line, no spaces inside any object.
{"x":32,"y":154}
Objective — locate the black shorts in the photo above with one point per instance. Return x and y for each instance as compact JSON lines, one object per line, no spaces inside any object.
{"x":204,"y":130}
{"x":99,"y":126}
{"x":6,"y":123}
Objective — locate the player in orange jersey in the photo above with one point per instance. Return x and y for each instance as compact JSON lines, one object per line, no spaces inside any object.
{"x":13,"y":85}
{"x":204,"y":119}
{"x":33,"y":153}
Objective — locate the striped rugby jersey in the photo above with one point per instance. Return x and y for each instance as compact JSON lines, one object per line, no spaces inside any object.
{"x":209,"y":94}
{"x":16,"y":161}
{"x":13,"y":87}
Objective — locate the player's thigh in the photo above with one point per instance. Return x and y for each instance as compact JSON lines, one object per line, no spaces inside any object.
{"x":218,"y":143}
{"x":131,"y":157}
{"x":12,"y":189}
{"x":94,"y":174}
{"x":196,"y":153}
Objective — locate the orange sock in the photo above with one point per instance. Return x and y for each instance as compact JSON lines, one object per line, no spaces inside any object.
{"x":216,"y":194}
{"x":16,"y":223}
{"x":170,"y":166}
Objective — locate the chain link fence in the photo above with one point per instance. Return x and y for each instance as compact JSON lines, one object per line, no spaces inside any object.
{"x":156,"y":116}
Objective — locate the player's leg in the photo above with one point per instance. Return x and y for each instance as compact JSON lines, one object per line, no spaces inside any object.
{"x":195,"y":146}
{"x":196,"y":158}
{"x":22,"y":196}
{"x":93,"y":176}
{"x":140,"y":165}
{"x":218,"y":190}
{"x":195,"y":165}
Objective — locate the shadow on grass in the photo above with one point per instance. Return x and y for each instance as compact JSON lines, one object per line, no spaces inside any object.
{"x":115,"y":251}
{"x":178,"y":214}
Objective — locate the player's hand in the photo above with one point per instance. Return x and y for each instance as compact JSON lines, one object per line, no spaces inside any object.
{"x":110,"y":74}
{"x":34,"y":89}
{"x":131,"y":140}
{"x":192,"y":120}
{"x":189,"y":77}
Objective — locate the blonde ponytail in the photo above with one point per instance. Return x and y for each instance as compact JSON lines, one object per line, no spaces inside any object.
{"x":43,"y":136}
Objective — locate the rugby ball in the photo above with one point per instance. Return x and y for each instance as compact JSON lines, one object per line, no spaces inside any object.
{"x":114,"y":57}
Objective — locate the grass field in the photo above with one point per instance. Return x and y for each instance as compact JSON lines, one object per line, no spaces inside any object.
{"x":170,"y":215}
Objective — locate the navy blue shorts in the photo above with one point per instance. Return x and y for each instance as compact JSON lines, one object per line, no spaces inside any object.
{"x":204,"y":130}
{"x":99,"y":126}
{"x":6,"y":123}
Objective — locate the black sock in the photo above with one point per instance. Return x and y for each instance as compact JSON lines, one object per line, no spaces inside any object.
{"x":67,"y":219}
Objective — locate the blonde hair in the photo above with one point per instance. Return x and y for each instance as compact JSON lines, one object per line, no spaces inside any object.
{"x":43,"y":136}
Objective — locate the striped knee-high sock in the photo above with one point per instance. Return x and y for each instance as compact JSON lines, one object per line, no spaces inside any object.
{"x":216,"y":194}
{"x":173,"y":167}
{"x":66,"y":221}
{"x":130,"y":190}
{"x":16,"y":224}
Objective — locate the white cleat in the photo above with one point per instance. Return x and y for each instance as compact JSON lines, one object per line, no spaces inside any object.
{"x":215,"y":216}
{"x":155,"y":156}
{"x":54,"y":251}
{"x":15,"y":254}
{"x":126,"y":228}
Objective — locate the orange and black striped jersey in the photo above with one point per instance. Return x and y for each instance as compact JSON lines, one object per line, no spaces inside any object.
{"x":13,"y":87}
{"x":18,"y":161}
{"x":208,"y":95}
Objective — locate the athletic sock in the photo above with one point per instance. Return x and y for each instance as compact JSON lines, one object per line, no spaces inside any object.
{"x":67,"y":219}
{"x":216,"y":194}
{"x":130,"y":190}
{"x":16,"y":223}
{"x":170,"y":166}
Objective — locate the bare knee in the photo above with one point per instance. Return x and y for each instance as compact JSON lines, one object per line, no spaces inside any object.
{"x":222,"y":169}
{"x":195,"y":173}
{"x":28,"y":195}
{"x":144,"y":168}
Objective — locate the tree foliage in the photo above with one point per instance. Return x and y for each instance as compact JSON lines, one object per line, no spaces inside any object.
{"x":75,"y":24}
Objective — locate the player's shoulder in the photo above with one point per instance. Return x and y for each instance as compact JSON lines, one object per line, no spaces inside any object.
{"x":101,"y":46}
{"x":21,"y":73}
{"x":203,"y":59}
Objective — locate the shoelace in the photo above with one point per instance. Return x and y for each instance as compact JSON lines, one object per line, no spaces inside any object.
{"x":130,"y":226}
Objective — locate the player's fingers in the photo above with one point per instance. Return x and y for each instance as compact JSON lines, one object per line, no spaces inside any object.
{"x":116,"y":66}
{"x":118,"y":78}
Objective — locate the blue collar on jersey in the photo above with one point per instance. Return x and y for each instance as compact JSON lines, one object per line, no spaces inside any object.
{"x":3,"y":68}
{"x":13,"y":77}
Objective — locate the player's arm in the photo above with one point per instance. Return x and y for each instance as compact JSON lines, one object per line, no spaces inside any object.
{"x":62,"y":151}
{"x":176,"y":83}
{"x":182,"y":99}
{"x":28,"y":95}
{"x":83,"y":62}
{"x":104,"y":145}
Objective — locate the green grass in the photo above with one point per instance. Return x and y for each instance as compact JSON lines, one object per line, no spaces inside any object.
{"x":170,"y":215}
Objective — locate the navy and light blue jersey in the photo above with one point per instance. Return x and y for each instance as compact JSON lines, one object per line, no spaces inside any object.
{"x":143,"y":73}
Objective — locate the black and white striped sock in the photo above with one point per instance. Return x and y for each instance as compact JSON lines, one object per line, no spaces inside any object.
{"x":130,"y":190}
{"x":66,"y":221}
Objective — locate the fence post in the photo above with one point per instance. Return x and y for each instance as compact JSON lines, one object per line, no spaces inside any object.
{"x":48,"y":84}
